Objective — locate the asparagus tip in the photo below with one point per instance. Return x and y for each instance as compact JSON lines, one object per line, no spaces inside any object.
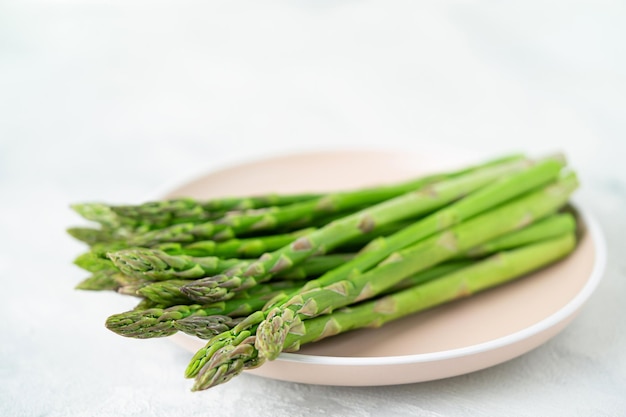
{"x":97,"y":212}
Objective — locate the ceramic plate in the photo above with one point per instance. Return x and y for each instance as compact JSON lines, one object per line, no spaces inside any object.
{"x":457,"y":338}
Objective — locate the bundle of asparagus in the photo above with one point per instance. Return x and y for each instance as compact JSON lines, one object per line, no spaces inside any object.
{"x":259,"y":275}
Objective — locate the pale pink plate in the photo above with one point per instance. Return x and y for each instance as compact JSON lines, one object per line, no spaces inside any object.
{"x":461,"y":337}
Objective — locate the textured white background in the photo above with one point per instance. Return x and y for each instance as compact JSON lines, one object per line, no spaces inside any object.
{"x":110,"y":100}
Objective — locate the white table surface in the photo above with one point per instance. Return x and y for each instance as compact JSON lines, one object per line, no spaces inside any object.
{"x":112,"y":100}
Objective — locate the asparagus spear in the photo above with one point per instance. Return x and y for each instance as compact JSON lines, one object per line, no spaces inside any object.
{"x":430,"y":274}
{"x":168,"y":293}
{"x":164,"y":213}
{"x":493,"y":271}
{"x":194,"y":324}
{"x":487,"y":197}
{"x":338,"y":232}
{"x":96,"y":259}
{"x":159,"y":322}
{"x":91,"y":262}
{"x":157,"y":265}
{"x":544,"y":229}
{"x":93,"y":236}
{"x":238,"y":248}
{"x":256,"y":246}
{"x":555,"y":226}
{"x":227,"y":361}
{"x":522,"y":211}
{"x":145,"y":304}
{"x":483,"y":199}
{"x":99,"y":281}
{"x":201,"y":323}
{"x":238,"y":337}
{"x":100,"y":213}
{"x":165,"y":293}
{"x":189,"y":209}
{"x":274,"y":217}
{"x":314,"y":266}
{"x":550,"y":227}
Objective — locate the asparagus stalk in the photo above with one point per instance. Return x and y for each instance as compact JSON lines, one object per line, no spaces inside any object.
{"x":145,"y":304}
{"x":314,"y":266}
{"x":239,"y":248}
{"x":157,"y":265}
{"x":99,"y":281}
{"x":494,"y":271}
{"x":227,"y":361}
{"x":201,"y":322}
{"x":157,"y":322}
{"x":92,"y":262}
{"x":275,"y":217}
{"x":547,"y":228}
{"x":96,"y":259}
{"x":125,"y":280}
{"x":175,"y":291}
{"x":164,"y":213}
{"x":287,"y":318}
{"x":553,"y":226}
{"x":160,"y":322}
{"x":165,"y":293}
{"x":93,"y":236}
{"x":100,"y":213}
{"x":475,"y":203}
{"x":338,"y":232}
{"x":430,"y":274}
{"x":194,"y":324}
{"x":185,"y":209}
{"x":168,"y":293}
{"x":189,"y":209}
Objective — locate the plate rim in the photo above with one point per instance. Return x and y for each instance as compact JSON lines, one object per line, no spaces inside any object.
{"x":548,"y":322}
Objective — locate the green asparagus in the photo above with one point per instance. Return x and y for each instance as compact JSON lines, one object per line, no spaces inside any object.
{"x":157,"y":265}
{"x":168,"y":293}
{"x":159,"y":322}
{"x":274,"y":217}
{"x":287,"y":318}
{"x":99,"y":281}
{"x":483,"y":199}
{"x":229,"y":360}
{"x":553,"y":226}
{"x":475,"y":203}
{"x":326,"y":238}
{"x":260,"y":275}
